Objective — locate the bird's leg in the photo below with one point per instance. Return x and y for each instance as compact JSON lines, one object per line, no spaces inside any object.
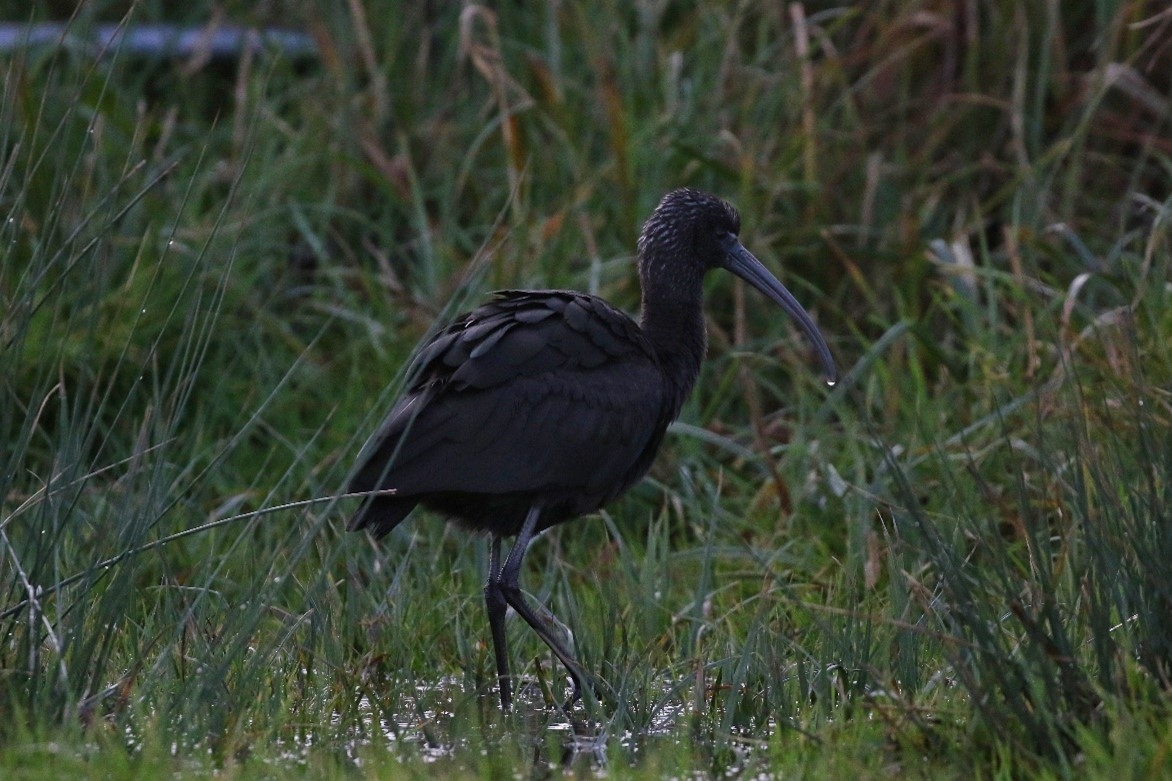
{"x":508,"y":586}
{"x":494,"y":599}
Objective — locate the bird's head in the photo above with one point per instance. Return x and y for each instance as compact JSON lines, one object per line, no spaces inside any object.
{"x":691,"y":232}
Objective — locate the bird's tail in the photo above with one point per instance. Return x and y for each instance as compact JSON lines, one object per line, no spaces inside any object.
{"x":380,"y":514}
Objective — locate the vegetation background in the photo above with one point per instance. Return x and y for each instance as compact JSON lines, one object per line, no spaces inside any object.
{"x":212,"y":271}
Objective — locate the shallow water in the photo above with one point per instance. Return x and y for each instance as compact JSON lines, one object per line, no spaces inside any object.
{"x":442,"y":722}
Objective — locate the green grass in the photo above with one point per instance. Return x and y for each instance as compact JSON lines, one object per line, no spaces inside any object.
{"x":952,"y":564}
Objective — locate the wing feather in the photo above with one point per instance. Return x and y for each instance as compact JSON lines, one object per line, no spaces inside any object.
{"x":533,"y":392}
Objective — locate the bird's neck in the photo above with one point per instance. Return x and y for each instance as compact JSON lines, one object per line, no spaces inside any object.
{"x":675,"y":330}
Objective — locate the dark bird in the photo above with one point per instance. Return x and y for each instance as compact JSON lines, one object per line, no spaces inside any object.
{"x":544,"y":405}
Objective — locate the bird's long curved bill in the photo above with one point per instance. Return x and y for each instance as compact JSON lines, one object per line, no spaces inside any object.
{"x":742,"y":263}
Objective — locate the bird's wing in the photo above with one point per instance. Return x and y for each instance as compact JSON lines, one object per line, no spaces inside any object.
{"x":530,"y":392}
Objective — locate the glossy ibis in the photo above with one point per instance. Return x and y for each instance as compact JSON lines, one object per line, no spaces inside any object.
{"x":544,"y":405}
